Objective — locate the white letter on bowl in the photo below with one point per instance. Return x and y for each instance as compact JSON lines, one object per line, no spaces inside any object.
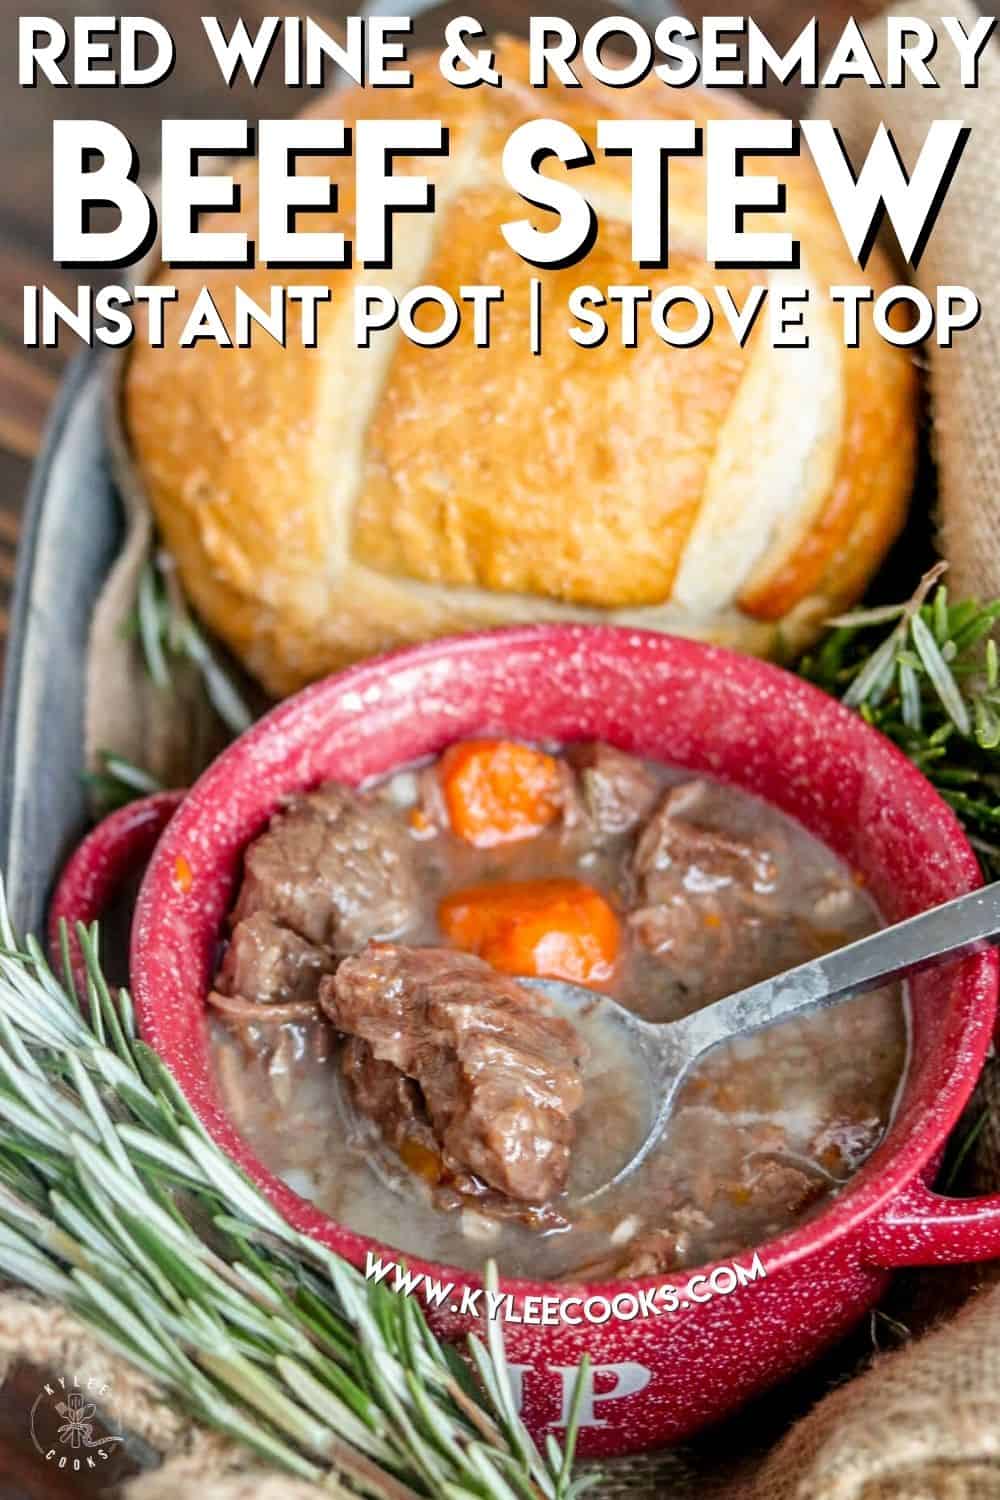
{"x":630,"y":1379}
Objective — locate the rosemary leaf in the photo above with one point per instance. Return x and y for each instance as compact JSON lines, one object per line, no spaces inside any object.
{"x":337,"y":1414}
{"x":150,"y":628}
{"x":987,"y":724}
{"x":168,"y":633}
{"x":865,"y":617}
{"x":942,"y":631}
{"x":940,"y":675}
{"x":909,"y":690}
{"x":36,"y":1271}
{"x":222,"y":693}
{"x":873,"y":671}
{"x":979,"y":626}
{"x":572,"y":1424}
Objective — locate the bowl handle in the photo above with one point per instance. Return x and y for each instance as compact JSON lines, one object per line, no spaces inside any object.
{"x":924,"y":1228}
{"x":119,"y":845}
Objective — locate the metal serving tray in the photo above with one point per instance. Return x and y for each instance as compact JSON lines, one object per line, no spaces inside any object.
{"x":71,"y":532}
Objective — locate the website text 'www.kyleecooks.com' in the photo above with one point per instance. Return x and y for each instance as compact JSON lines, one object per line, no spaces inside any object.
{"x":550,"y":1311}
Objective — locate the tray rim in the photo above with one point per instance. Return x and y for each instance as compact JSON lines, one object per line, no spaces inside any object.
{"x":82,"y":369}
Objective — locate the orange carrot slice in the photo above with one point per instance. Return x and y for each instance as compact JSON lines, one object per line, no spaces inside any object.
{"x":556,"y":929}
{"x":497,"y":791}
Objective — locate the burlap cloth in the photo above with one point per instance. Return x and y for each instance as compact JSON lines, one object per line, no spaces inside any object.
{"x":921,"y":1422}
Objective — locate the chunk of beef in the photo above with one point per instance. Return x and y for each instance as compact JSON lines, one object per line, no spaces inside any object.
{"x":779,"y":1190}
{"x":660,"y":1250}
{"x":674,"y":846}
{"x":396,"y":1104}
{"x":270,"y":964}
{"x":842,"y":1144}
{"x":616,"y":791}
{"x":654,"y":1251}
{"x":334,"y":867}
{"x":696,"y":890}
{"x":499,"y":1075}
{"x":690,"y":933}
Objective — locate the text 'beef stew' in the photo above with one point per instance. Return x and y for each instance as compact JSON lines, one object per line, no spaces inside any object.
{"x":375,"y":1049}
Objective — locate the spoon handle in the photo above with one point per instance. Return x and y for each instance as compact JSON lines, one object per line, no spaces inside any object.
{"x":965,"y":925}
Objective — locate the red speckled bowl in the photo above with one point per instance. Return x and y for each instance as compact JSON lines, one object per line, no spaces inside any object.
{"x":658,"y":1376}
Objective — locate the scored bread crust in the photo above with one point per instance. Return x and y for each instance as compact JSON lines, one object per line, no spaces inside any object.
{"x":324,"y":504}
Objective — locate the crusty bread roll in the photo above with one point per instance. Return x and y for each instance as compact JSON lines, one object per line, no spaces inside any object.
{"x":325,"y":504}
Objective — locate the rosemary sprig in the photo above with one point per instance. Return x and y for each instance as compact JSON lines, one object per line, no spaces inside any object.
{"x":932,"y":684}
{"x":168,"y":632}
{"x":117,"y":781}
{"x":115,"y":1201}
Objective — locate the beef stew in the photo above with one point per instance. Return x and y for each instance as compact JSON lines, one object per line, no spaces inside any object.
{"x":372,"y":1044}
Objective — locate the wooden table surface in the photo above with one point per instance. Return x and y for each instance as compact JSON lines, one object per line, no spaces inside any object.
{"x":29,"y":378}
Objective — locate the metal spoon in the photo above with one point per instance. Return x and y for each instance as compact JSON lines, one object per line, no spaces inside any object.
{"x":665,"y":1052}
